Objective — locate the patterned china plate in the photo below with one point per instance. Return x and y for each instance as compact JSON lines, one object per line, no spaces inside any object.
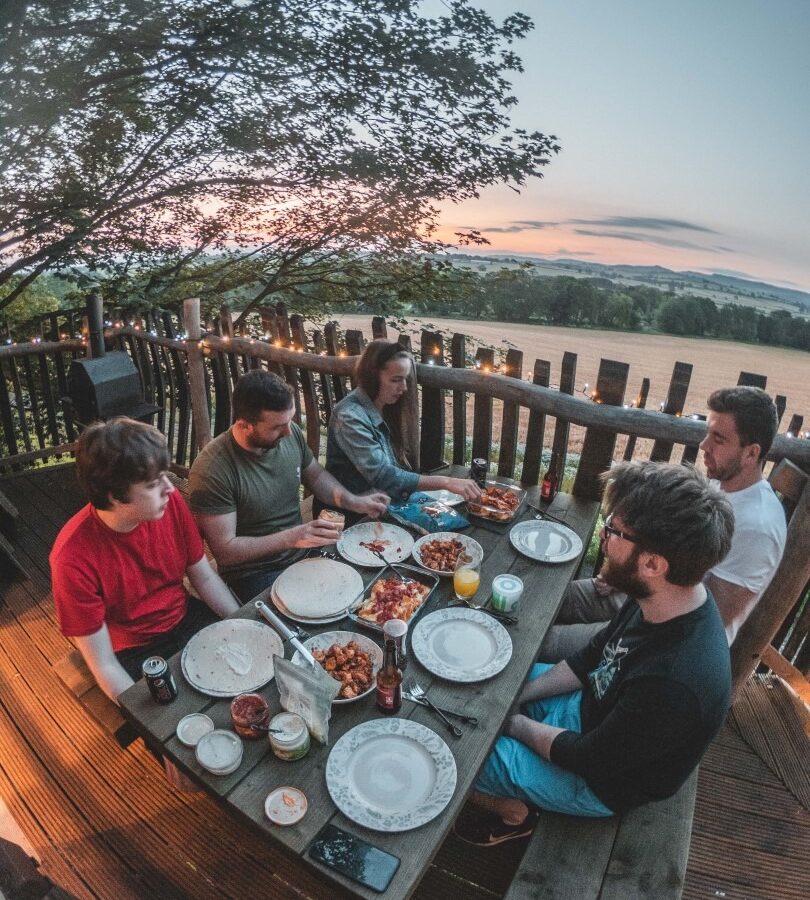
{"x":391,"y":774}
{"x":471,"y":547}
{"x":546,"y":541}
{"x":324,"y":641}
{"x":461,"y":644}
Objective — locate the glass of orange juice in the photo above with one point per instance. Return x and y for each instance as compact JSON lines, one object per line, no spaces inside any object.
{"x":466,"y":579}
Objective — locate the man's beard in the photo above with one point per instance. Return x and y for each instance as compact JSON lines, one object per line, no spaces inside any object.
{"x":732,"y":470}
{"x":624,"y":576}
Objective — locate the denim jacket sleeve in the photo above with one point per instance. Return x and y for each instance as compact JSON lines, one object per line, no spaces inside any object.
{"x":368,"y":448}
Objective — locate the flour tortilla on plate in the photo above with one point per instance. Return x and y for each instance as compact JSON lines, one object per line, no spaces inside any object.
{"x":317,"y":588}
{"x":231,"y":657}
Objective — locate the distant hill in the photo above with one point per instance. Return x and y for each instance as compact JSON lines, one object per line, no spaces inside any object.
{"x":721,"y":288}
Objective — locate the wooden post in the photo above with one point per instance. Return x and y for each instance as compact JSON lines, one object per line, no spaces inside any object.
{"x":299,"y":337}
{"x":533,"y":451}
{"x":482,"y":409}
{"x":751,"y":379}
{"x":599,"y":443}
{"x":781,"y":404}
{"x":793,"y":573}
{"x":458,"y":359}
{"x":641,"y":403}
{"x":333,"y":349}
{"x":568,"y":380}
{"x":673,"y":406}
{"x":795,"y":425}
{"x":95,"y":326}
{"x":379,"y":330}
{"x":513,"y":368}
{"x":196,"y":372}
{"x":431,"y":448}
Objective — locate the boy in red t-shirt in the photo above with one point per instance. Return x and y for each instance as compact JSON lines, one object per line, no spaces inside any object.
{"x":117,"y":566}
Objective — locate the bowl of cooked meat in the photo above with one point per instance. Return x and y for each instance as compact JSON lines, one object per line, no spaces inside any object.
{"x":440,"y":552}
{"x":352,"y":659}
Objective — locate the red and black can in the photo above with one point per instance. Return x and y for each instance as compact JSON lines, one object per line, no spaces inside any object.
{"x":162,"y":685}
{"x":478,"y":472}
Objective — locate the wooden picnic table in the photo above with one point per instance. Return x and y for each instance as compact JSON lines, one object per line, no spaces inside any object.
{"x":243,"y":792}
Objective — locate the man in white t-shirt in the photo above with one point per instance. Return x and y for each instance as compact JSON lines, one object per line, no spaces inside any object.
{"x":740,"y":429}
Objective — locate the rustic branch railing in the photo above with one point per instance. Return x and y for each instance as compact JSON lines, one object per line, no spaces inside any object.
{"x":196,"y":372}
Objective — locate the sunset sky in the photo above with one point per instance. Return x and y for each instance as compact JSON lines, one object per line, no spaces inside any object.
{"x":685,"y":132}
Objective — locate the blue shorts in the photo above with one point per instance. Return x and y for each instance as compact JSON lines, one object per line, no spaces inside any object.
{"x":513,"y":770}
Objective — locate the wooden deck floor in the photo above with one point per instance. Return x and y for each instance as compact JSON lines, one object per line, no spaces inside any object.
{"x":106,"y":824}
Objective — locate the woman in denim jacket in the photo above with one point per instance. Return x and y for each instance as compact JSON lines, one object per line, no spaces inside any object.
{"x":364,"y":449}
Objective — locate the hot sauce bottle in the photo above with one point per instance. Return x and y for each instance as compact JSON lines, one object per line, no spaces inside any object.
{"x":389,"y":681}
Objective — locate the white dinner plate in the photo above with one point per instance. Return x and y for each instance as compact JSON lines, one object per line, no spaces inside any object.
{"x":546,"y":541}
{"x":324,"y":641}
{"x":318,"y":589}
{"x":234,"y":656}
{"x":391,"y":774}
{"x":461,"y":644}
{"x":399,"y":546}
{"x":304,"y":620}
{"x":471,"y":547}
{"x":443,"y":496}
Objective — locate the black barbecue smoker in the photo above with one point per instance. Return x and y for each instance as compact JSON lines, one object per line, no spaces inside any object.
{"x":106,"y":385}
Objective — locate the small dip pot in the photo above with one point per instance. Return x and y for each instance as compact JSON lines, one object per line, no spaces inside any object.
{"x":291,"y":740}
{"x":285,"y":805}
{"x":506,"y":592}
{"x":193,"y":727}
{"x":248,"y":710}
{"x":219,"y":751}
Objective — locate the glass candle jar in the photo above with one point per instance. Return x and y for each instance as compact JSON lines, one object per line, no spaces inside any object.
{"x":289,"y":736}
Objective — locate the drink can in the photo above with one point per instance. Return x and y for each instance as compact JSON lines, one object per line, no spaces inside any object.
{"x":478,"y":472}
{"x":506,"y":592}
{"x":162,"y":685}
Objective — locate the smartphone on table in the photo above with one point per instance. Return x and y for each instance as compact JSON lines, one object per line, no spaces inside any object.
{"x":353,"y":857}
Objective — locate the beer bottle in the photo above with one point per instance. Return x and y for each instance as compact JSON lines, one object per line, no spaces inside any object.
{"x":548,"y":489}
{"x":389,"y":681}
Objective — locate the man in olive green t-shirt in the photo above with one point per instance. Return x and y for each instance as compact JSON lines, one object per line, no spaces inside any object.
{"x":244,"y":489}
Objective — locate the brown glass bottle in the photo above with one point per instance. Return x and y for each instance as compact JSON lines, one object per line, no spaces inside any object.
{"x":389,"y":682}
{"x":548,"y":489}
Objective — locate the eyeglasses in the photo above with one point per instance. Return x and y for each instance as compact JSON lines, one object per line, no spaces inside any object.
{"x":609,"y":530}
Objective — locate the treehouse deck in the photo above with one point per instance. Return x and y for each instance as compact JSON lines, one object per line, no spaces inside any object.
{"x":105,"y":823}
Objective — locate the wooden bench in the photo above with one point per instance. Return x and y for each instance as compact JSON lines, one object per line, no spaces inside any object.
{"x":642,"y":853}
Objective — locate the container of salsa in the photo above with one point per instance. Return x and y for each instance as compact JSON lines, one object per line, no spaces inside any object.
{"x":248,"y":710}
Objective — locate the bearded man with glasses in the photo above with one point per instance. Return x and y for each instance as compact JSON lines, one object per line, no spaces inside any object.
{"x":626,"y":719}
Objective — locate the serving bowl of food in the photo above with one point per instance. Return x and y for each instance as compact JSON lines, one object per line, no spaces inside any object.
{"x":352,"y":659}
{"x":440,"y":552}
{"x":499,"y":502}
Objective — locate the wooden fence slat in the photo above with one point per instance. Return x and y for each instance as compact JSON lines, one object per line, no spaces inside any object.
{"x":290,"y":372}
{"x":20,"y":404}
{"x":198,"y":393}
{"x":47,"y":399}
{"x":431,"y":445}
{"x":482,"y":409}
{"x":181,"y":400}
{"x":781,"y":404}
{"x":404,"y":341}
{"x":751,"y":379}
{"x":33,"y":400}
{"x":221,"y":382}
{"x":458,"y":359}
{"x":330,"y":332}
{"x":327,"y":399}
{"x":310,"y":396}
{"x":795,"y":425}
{"x":673,"y":406}
{"x":568,"y":381}
{"x":533,"y":452}
{"x":599,"y":443}
{"x":641,"y":403}
{"x":513,"y":368}
{"x":9,"y":432}
{"x":61,"y":378}
{"x":158,"y":360}
{"x":225,"y":321}
{"x":270,"y":329}
{"x":379,"y":329}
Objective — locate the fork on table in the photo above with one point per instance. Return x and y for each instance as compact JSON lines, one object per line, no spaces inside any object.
{"x":416,"y":694}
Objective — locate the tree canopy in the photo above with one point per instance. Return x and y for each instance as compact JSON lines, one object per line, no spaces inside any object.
{"x":266,"y":143}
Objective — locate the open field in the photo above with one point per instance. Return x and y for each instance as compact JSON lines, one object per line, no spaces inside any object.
{"x":716,"y":363}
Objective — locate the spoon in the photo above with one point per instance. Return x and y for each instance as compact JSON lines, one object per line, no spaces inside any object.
{"x":268,"y":729}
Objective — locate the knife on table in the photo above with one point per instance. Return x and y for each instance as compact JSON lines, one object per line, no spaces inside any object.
{"x":269,"y":616}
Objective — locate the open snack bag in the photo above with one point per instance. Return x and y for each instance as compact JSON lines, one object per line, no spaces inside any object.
{"x":308,"y":691}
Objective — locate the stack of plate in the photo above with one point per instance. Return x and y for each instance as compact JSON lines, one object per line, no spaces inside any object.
{"x":316,"y":591}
